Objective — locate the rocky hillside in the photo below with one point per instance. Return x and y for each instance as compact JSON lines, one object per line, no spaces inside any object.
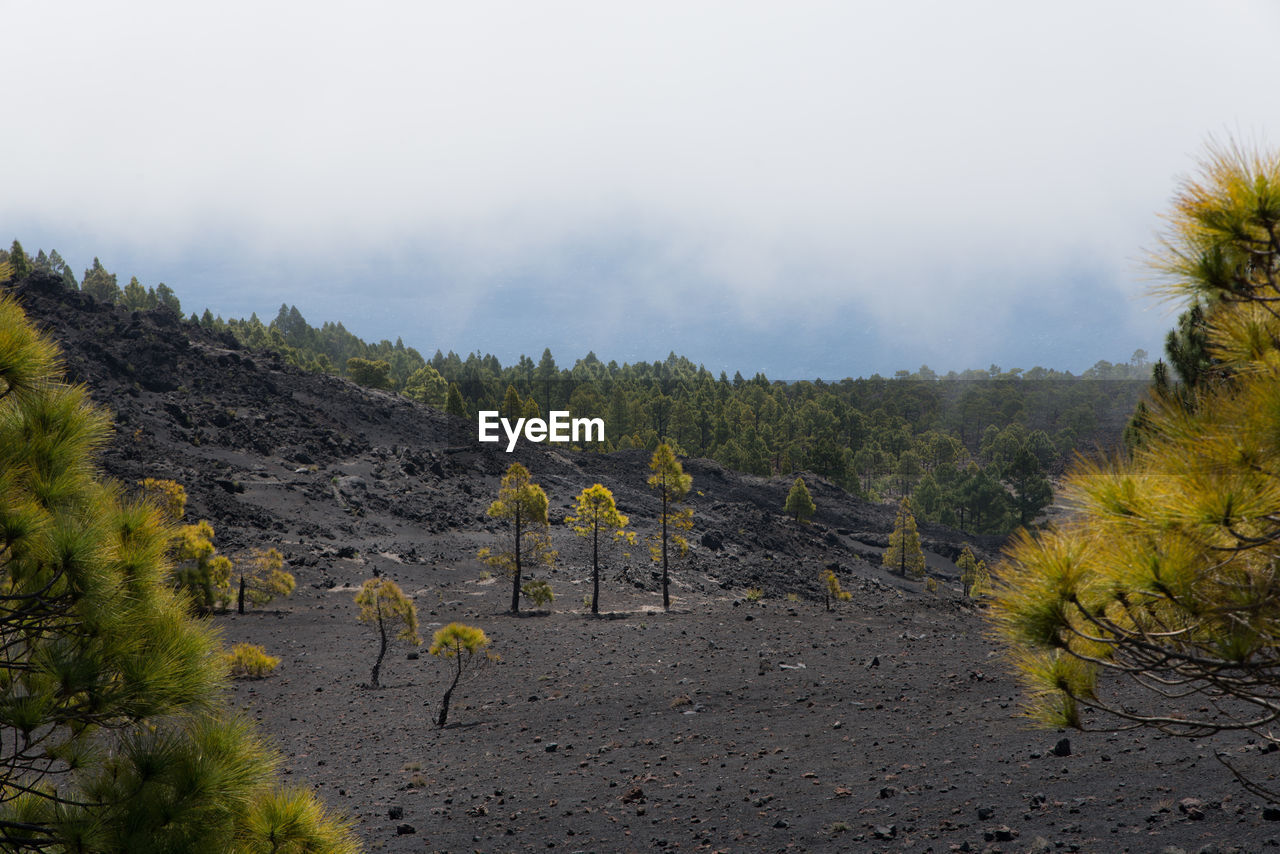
{"x":318,"y":466}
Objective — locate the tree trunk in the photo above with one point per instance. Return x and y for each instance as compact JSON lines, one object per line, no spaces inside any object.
{"x":595,"y":570}
{"x":240,"y":598}
{"x":382,"y":648}
{"x":444,"y":707}
{"x":666,"y":597}
{"x":448,"y":694}
{"x":515,"y":579}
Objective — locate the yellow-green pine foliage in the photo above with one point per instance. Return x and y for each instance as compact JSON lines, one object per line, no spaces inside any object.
{"x":799,"y":502}
{"x":202,"y":573}
{"x":521,"y":502}
{"x":833,"y":591}
{"x":263,"y":578}
{"x":383,"y":604}
{"x":1169,"y":570}
{"x":538,"y":591}
{"x":117,"y":736}
{"x":904,"y":555}
{"x":374,"y":373}
{"x":672,"y":485}
{"x":425,"y":385}
{"x":169,"y":495}
{"x":973,"y":574}
{"x":250,"y":661}
{"x":594,"y":512}
{"x":463,"y":644}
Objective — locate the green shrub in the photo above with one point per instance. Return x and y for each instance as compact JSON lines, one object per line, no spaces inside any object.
{"x":250,"y":661}
{"x":538,"y":591}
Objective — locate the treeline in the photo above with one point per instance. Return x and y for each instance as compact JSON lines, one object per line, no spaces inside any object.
{"x":975,"y":450}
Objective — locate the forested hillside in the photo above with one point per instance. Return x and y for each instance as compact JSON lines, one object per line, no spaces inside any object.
{"x":975,"y":450}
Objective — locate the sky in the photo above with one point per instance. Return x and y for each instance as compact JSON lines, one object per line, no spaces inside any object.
{"x":808,"y":189}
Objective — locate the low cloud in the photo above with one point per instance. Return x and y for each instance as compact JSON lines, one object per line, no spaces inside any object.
{"x":934,"y":171}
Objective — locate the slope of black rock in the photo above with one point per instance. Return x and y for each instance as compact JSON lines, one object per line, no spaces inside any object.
{"x":316,"y":465}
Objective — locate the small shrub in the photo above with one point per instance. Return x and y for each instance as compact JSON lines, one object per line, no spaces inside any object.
{"x":931,"y":584}
{"x":833,"y":593}
{"x":250,"y":661}
{"x":538,"y":591}
{"x":755,"y":594}
{"x":793,"y":597}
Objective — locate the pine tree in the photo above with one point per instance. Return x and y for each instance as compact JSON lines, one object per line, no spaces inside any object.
{"x":832,"y":592}
{"x":454,"y":404}
{"x":425,"y":385}
{"x":512,"y":408}
{"x":135,"y":296}
{"x":464,"y":645}
{"x":672,"y":485}
{"x":523,"y":503}
{"x":100,"y":284}
{"x":1031,"y":489}
{"x":166,"y":298}
{"x":547,"y":375}
{"x":383,"y":604}
{"x":117,"y":736}
{"x":904,"y":555}
{"x":973,"y":574}
{"x":263,"y":578}
{"x":596,"y":512}
{"x":373,"y":373}
{"x":19,"y":261}
{"x":799,"y":503}
{"x":1167,"y":575}
{"x":202,"y":573}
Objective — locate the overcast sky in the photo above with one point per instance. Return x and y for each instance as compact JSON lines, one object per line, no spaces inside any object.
{"x":804,"y":188}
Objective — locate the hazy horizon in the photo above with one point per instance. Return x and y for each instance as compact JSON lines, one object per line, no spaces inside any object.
{"x":810,"y":190}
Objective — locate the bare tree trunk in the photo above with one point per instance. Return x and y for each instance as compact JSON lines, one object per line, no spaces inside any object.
{"x":595,"y":570}
{"x":444,"y":707}
{"x":515,"y":580}
{"x":448,"y":694}
{"x":666,"y":597}
{"x":382,"y":648}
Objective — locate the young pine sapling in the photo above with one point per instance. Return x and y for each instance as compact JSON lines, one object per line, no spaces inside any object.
{"x":464,"y":644}
{"x":383,"y":603}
